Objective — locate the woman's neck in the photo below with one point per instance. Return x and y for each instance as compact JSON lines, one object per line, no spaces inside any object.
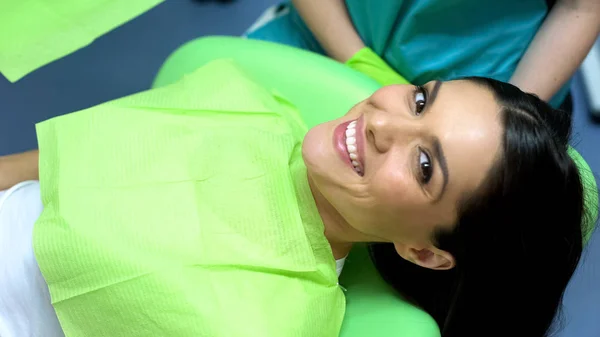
{"x":338,"y":232}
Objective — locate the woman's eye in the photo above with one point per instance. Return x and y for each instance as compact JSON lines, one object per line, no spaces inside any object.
{"x":425,"y":167}
{"x":420,"y":100}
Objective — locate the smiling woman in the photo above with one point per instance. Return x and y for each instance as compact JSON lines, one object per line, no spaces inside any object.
{"x":471,"y":202}
{"x":407,"y":164}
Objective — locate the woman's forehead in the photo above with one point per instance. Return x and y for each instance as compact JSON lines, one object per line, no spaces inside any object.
{"x":468,"y":126}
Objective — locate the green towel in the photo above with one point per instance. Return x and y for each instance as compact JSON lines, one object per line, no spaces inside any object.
{"x":34,"y":33}
{"x":184,"y":211}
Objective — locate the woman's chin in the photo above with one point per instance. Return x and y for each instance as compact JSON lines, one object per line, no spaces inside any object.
{"x":322,"y":156}
{"x":312,"y":150}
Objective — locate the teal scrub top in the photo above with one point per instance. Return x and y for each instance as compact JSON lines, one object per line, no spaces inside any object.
{"x":433,"y":39}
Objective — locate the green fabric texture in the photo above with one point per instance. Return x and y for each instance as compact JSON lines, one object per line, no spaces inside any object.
{"x":34,"y":33}
{"x":322,"y":90}
{"x":369,"y":63}
{"x":183,"y":212}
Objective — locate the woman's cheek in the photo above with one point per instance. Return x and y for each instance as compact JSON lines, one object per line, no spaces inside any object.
{"x":394,"y":188}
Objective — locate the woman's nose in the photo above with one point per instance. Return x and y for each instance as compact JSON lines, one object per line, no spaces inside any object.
{"x":390,"y":124}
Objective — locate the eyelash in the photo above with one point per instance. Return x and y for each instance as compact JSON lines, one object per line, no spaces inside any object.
{"x":425,"y":169}
{"x":421,"y":94}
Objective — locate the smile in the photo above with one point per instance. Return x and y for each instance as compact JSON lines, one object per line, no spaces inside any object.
{"x":351,"y":147}
{"x":348,"y":143}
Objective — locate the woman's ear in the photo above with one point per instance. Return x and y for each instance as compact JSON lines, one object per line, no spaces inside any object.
{"x":426,"y":257}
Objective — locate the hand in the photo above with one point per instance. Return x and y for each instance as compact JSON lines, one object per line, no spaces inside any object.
{"x":370,"y":64}
{"x":17,"y":168}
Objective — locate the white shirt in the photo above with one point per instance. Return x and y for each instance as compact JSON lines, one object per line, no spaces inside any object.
{"x":25,"y":306}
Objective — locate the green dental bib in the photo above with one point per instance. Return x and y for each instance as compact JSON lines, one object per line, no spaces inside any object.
{"x":184,"y":211}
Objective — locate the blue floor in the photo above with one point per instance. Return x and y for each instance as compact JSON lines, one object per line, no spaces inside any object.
{"x":126,"y":60}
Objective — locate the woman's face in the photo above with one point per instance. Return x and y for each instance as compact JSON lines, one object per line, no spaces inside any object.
{"x":396,"y":165}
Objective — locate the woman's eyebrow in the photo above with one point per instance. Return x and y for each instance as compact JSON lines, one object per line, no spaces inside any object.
{"x":438,"y":153}
{"x":433,"y":93}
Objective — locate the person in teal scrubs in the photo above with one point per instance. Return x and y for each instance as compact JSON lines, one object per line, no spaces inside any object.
{"x":517,"y":41}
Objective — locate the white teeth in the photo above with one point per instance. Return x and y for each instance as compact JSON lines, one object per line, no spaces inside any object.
{"x":351,"y":146}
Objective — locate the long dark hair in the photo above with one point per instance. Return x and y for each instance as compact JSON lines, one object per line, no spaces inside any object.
{"x":518,"y":239}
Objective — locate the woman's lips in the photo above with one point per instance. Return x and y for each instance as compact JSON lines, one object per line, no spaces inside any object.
{"x":348,"y":139}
